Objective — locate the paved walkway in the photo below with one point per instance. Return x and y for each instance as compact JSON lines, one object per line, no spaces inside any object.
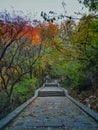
{"x":52,"y":113}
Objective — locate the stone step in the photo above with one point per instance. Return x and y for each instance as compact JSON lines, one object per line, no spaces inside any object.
{"x":78,"y":125}
{"x":51,"y":85}
{"x":51,"y":93}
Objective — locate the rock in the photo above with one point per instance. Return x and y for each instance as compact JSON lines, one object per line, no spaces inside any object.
{"x":90,"y":102}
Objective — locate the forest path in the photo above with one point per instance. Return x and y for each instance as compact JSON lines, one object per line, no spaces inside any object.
{"x":52,"y":110}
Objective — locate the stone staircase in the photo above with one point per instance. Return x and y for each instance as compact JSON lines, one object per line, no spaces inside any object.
{"x":52,"y":108}
{"x":51,"y":90}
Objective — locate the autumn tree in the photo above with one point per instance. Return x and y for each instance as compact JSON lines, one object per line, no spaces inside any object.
{"x":18,"y":51}
{"x":50,"y":42}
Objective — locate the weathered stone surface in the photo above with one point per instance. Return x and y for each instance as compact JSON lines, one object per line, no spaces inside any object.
{"x":50,"y":112}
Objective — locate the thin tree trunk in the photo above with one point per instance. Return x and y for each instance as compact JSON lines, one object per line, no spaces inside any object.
{"x":31,"y":72}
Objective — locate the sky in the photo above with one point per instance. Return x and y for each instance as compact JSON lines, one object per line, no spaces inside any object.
{"x":35,"y":7}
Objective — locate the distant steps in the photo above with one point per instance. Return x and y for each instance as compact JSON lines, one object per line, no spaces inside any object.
{"x":51,"y":93}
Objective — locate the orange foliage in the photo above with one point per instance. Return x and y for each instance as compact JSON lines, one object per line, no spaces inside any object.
{"x":50,"y":29}
{"x":33,"y":34}
{"x":54,"y":27}
{"x":9,"y":30}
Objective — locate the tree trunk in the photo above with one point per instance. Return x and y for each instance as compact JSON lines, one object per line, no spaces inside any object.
{"x":31,"y":72}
